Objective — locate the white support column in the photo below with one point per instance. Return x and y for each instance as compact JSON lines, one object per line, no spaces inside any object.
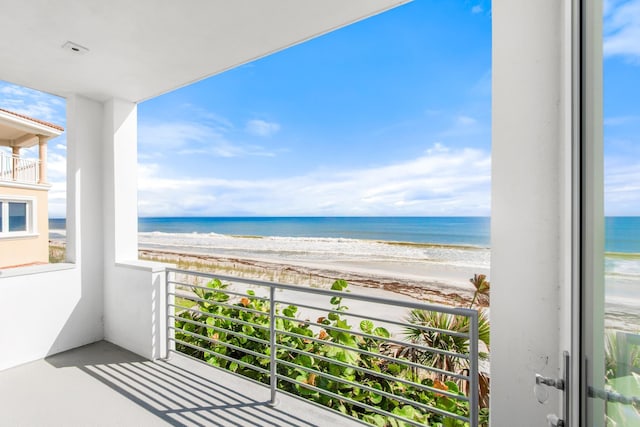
{"x":134,"y":292}
{"x":120,"y":157}
{"x":530,"y":226}
{"x":84,"y":218}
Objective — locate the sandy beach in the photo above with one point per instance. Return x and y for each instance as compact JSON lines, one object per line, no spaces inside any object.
{"x":433,"y":283}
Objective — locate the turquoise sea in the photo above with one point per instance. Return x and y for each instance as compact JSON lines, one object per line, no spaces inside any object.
{"x":622,"y":233}
{"x":472,"y":231}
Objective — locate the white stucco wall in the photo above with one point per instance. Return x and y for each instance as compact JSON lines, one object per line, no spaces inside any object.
{"x":135,"y":308}
{"x":530,"y":231}
{"x":32,"y":325}
{"x":48,"y":309}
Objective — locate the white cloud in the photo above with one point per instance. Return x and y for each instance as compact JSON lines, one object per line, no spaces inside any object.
{"x":443,"y":181}
{"x":189,"y":138}
{"x":32,"y":103}
{"x":477,"y":9}
{"x":262,"y":128}
{"x":466,"y":121}
{"x":438,"y":147}
{"x":462,"y":125}
{"x":620,"y":120}
{"x":622,"y":29}
{"x":57,"y":177}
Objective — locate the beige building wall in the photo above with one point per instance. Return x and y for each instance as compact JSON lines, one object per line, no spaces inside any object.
{"x":33,"y":248}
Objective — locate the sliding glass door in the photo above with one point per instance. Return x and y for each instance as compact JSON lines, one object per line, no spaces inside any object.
{"x":609,"y":207}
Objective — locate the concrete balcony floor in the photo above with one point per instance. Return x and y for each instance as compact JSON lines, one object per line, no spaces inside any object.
{"x":103,"y":385}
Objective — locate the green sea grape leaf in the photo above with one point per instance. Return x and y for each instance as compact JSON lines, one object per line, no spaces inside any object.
{"x":405,"y":411}
{"x":452,"y":387}
{"x":290,"y":311}
{"x":366,"y":326}
{"x":339,"y":285}
{"x":375,"y":419}
{"x":381,"y":332}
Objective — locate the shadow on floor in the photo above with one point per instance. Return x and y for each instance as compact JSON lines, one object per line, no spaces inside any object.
{"x":181,"y":391}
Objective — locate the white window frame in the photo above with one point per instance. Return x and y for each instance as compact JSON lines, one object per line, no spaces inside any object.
{"x":31,"y":208}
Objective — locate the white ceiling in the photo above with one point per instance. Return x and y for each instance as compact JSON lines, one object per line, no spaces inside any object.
{"x":139,"y":49}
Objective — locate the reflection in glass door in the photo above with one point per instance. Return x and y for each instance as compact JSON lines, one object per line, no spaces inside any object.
{"x":611,"y":212}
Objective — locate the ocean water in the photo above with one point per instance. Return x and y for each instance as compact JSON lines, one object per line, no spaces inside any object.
{"x":472,"y":231}
{"x":622,"y":234}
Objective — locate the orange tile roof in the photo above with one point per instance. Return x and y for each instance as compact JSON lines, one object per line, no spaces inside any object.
{"x":42,"y":122}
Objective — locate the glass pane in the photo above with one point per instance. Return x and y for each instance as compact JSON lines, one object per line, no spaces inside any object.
{"x":621,"y":146}
{"x":17,"y":216}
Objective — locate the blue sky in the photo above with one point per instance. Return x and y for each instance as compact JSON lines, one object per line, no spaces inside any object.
{"x":390,"y":116}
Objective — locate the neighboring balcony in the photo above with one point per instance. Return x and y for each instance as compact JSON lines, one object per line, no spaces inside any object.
{"x":16,"y":169}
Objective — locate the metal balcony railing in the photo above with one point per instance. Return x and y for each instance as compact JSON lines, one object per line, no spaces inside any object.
{"x":346,"y":351}
{"x":17,"y":169}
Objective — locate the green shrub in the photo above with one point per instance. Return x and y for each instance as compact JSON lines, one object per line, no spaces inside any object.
{"x":308,"y":357}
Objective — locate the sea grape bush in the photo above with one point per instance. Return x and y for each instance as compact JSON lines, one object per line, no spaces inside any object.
{"x":308,"y":357}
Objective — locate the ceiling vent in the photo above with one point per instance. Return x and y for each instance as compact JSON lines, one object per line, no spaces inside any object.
{"x":75,"y":48}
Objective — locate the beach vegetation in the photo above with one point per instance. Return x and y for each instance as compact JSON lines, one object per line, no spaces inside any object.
{"x":430,"y":329}
{"x":57,"y":252}
{"x":619,"y":359}
{"x":482,"y":287}
{"x":329,"y":361}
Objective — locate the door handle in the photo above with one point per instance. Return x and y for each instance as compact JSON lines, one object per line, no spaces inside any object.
{"x":561,"y":384}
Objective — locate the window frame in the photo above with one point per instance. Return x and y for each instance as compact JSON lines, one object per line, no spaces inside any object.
{"x":31,"y":223}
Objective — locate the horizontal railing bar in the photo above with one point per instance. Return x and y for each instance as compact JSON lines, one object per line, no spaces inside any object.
{"x":427,"y":348}
{"x":368,"y":353}
{"x":369,"y":407}
{"x":219,"y":329}
{"x":378,"y":355}
{"x":365,"y":387}
{"x":223,"y":304}
{"x":377,"y":319}
{"x":224,"y":291}
{"x":366,"y":298}
{"x":217,"y":316}
{"x":225,"y":344}
{"x":374,"y":373}
{"x":346,"y":399}
{"x":389,"y":340}
{"x":424,"y":328}
{"x":222,"y":356}
{"x":226,"y":371}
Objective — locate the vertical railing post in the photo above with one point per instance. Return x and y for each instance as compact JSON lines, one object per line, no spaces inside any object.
{"x":168,"y":324}
{"x":474,"y":405}
{"x":272,"y":346}
{"x":170,"y":310}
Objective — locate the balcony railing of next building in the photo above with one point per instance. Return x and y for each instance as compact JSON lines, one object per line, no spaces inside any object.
{"x":354,"y":353}
{"x":16,"y":169}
